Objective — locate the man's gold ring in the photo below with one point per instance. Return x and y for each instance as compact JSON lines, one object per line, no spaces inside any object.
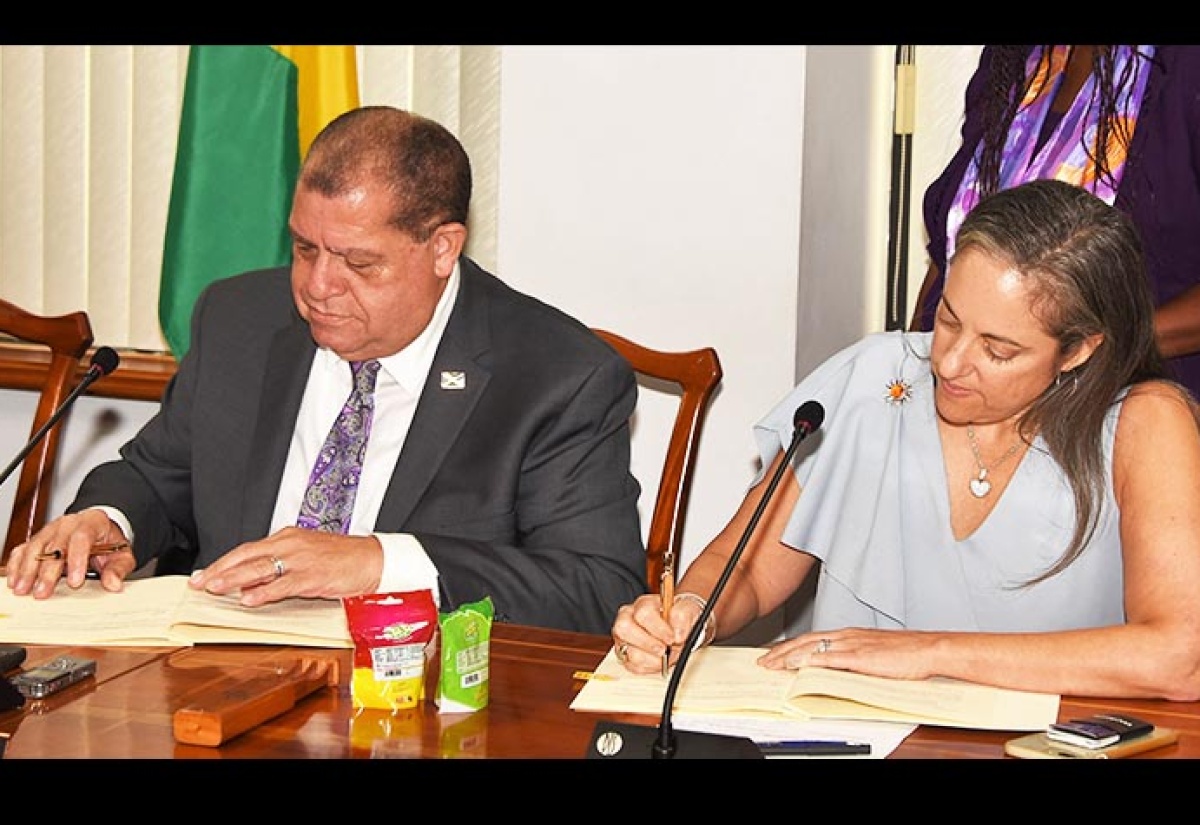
{"x":622,"y":652}
{"x":277,"y":563}
{"x":824,"y":645}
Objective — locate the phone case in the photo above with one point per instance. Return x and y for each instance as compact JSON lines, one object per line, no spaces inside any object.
{"x":1100,"y":730}
{"x":1040,"y":746}
{"x":1083,"y":733}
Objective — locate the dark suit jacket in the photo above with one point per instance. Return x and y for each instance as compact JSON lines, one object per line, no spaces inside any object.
{"x":517,"y":486}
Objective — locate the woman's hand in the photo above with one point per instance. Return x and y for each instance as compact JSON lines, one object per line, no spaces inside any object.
{"x":898,"y":654}
{"x":641,"y":635}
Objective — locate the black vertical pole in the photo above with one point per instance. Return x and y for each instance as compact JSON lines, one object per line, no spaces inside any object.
{"x":899,"y":208}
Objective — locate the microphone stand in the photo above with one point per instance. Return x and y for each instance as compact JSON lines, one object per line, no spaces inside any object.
{"x":99,"y":368}
{"x":706,"y":745}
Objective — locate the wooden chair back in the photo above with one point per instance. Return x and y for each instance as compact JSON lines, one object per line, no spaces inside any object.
{"x":68,"y":338}
{"x":696,"y":373}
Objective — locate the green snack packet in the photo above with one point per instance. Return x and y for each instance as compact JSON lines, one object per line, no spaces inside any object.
{"x":466,"y":638}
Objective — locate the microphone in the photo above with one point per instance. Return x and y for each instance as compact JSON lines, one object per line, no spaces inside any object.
{"x":104,"y":361}
{"x":614,"y":740}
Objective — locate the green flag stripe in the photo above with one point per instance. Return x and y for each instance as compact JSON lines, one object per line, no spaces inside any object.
{"x":235,"y":167}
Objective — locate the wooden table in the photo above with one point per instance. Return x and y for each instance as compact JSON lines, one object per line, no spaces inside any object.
{"x":126,"y":712}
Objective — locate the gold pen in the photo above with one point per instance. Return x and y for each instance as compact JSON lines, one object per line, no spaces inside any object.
{"x":667,"y":590}
{"x":102,"y":549}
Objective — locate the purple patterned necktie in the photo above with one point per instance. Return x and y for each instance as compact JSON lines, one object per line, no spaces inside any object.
{"x":329,"y":498}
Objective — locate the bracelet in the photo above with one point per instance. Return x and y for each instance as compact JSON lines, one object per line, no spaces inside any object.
{"x":710,"y":626}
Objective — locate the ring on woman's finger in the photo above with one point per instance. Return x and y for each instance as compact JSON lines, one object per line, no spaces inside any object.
{"x":622,"y":652}
{"x":277,"y":563}
{"x":824,"y":645}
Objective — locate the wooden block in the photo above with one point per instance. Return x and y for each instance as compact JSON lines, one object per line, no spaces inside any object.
{"x":219,"y":715}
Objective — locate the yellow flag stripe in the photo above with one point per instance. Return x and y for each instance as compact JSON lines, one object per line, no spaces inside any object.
{"x":327,"y":85}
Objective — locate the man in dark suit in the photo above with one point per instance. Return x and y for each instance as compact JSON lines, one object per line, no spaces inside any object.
{"x":498,"y":459}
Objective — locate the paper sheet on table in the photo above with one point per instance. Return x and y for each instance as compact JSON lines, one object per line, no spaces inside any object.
{"x":164,"y":611}
{"x":728,"y":680}
{"x":884,"y":737}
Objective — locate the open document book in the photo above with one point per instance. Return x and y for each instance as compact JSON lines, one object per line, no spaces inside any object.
{"x":728,"y":680}
{"x":165,"y":612}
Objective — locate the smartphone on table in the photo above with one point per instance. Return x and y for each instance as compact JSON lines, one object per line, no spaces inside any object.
{"x":1101,"y":736}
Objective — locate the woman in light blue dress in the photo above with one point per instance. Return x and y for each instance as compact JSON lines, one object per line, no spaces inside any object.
{"x":1012,"y":498}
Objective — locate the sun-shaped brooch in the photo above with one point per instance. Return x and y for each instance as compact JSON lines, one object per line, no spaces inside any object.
{"x":898,"y":391}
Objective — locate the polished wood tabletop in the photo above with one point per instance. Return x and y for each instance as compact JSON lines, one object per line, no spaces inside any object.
{"x":126,"y":711}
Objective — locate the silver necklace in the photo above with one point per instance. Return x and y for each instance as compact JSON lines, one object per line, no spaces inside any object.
{"x":980,"y":485}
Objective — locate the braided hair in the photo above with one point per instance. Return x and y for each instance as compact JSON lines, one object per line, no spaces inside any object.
{"x":1009,"y":86}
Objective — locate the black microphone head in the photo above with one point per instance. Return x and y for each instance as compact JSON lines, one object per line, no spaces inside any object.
{"x":105,"y":360}
{"x":809,"y":416}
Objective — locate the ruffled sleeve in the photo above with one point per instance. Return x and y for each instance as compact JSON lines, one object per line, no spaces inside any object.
{"x":850,"y":470}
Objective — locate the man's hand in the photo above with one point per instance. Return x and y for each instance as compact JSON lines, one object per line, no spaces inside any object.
{"x":66,"y":546}
{"x":295,"y":562}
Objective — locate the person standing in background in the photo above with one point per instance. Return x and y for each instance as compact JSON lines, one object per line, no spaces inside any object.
{"x":1045,"y":112}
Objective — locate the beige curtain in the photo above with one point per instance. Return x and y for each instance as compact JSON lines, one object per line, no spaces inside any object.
{"x":87,"y":151}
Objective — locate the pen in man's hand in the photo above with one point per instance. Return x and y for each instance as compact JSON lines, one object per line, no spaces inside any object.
{"x":667,"y":590}
{"x":96,"y":550}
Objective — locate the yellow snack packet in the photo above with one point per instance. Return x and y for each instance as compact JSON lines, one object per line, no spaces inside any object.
{"x":393,"y":635}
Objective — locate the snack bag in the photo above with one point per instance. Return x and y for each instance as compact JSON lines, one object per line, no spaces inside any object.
{"x":466,"y":642}
{"x":392,"y":635}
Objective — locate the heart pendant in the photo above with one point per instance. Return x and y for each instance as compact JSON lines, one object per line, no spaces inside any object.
{"x":980,"y":487}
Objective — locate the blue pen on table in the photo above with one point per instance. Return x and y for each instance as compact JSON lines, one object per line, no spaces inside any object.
{"x":814,"y":747}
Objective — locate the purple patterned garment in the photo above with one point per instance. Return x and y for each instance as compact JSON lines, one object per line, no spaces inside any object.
{"x":329,"y":499}
{"x":1159,"y":189}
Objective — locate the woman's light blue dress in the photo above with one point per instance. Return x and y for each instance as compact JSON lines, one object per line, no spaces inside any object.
{"x":874,"y":508}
